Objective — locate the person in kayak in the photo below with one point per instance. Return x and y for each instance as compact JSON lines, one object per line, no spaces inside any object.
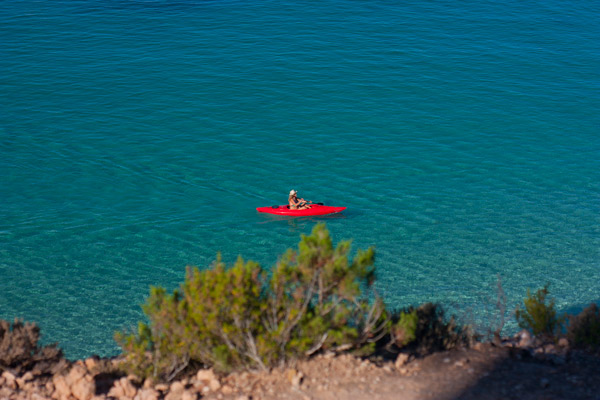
{"x":295,"y":203}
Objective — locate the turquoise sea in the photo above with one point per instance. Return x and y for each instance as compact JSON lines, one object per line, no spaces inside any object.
{"x":138,"y":137}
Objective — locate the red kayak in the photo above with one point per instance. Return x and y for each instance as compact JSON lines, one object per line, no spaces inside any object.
{"x":315,"y":209}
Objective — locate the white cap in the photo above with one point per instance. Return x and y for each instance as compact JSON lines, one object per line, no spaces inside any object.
{"x":292,"y":192}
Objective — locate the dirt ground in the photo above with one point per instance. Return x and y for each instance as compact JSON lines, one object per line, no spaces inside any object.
{"x":486,"y":372}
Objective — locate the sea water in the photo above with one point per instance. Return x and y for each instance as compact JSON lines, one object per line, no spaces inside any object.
{"x":138,"y":137}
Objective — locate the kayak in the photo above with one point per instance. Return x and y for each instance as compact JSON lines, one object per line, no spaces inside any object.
{"x":315,"y":209}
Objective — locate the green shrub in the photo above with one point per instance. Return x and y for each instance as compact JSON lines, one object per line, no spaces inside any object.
{"x":425,"y":329}
{"x":239,"y":317}
{"x":584,"y":328}
{"x":437,"y":333}
{"x":538,"y":316}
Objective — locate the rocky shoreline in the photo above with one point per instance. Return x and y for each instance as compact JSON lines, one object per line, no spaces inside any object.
{"x":520,"y":367}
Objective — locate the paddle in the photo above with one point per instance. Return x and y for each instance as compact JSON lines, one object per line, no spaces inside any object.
{"x":310,"y":201}
{"x":319,"y":204}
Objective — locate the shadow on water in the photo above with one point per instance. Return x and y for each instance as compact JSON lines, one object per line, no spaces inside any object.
{"x":268,"y":218}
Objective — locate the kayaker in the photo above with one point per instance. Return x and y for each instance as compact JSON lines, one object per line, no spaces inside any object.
{"x":295,"y":203}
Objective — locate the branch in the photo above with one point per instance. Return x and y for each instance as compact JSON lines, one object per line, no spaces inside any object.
{"x":307,"y":301}
{"x":334,"y":305}
{"x":253,"y":353}
{"x":317,"y":346}
{"x":181,"y":368}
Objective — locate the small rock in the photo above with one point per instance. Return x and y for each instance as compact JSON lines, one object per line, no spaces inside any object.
{"x":401,"y":360}
{"x":91,"y":363}
{"x":9,"y":380}
{"x":83,"y":389}
{"x":549,"y":349}
{"x":116,"y":391}
{"x":26,"y":386}
{"x":147,"y":394}
{"x":173,"y":396}
{"x":205,"y":375}
{"x":150,"y":394}
{"x":177,"y":387}
{"x":297,"y":379}
{"x":478,"y":346}
{"x":128,"y":388}
{"x":525,"y":338}
{"x":461,"y":363}
{"x":188,"y":395}
{"x":227,"y":389}
{"x":242,"y":397}
{"x":446,"y":360}
{"x":214,"y":385}
{"x":538,"y":351}
{"x":75,"y":374}
{"x":162,"y":387}
{"x":27,"y":377}
{"x":290,"y":373}
{"x":61,"y":389}
{"x":563,"y":342}
{"x":148,"y":383}
{"x":175,"y":391}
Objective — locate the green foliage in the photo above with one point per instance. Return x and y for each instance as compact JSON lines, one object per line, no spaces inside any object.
{"x":239,"y":317}
{"x":538,"y":316}
{"x":584,"y":328}
{"x":404,"y":330}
